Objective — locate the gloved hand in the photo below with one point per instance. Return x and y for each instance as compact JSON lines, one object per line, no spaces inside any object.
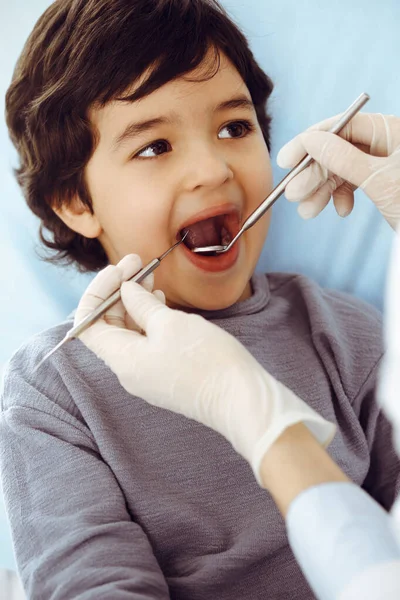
{"x":369,"y":159}
{"x":187,"y":365}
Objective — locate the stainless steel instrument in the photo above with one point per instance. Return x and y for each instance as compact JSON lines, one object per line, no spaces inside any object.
{"x":280,"y":188}
{"x":104,"y":306}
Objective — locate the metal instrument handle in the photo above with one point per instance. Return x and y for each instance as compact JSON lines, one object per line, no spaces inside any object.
{"x":303,"y":164}
{"x":113,"y":299}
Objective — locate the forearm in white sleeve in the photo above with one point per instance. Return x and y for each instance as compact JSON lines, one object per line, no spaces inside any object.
{"x":380,"y":582}
{"x":336,"y":532}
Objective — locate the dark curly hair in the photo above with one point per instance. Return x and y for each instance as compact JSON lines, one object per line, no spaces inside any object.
{"x":88,"y":52}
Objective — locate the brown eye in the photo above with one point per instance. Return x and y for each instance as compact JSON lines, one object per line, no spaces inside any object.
{"x":237,"y":129}
{"x":154,"y":149}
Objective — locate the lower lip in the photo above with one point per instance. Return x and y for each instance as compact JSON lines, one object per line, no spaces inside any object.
{"x":213,"y":264}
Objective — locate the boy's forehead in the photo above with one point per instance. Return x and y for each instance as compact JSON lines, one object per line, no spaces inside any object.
{"x":203,"y":89}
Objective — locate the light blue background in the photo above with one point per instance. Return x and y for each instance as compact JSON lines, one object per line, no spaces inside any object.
{"x":321,"y":56}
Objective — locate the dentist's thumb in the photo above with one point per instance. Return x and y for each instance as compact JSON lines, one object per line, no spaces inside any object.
{"x":145,"y":308}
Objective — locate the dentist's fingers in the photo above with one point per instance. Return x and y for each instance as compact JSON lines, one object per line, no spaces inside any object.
{"x":112,"y":343}
{"x":105,"y":284}
{"x":313,"y":205}
{"x":339,"y":157}
{"x":343,"y":199}
{"x":160,"y":295}
{"x":142,"y":306}
{"x":365,"y":129}
{"x":374,"y":133}
{"x":306,"y":183}
{"x":128,"y":266}
{"x":109,"y":279}
{"x":130,"y":323}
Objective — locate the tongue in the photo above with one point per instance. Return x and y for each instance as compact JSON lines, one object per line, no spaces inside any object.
{"x":204,"y":233}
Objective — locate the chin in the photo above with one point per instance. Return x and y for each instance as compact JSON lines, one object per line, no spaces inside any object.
{"x":216,"y":299}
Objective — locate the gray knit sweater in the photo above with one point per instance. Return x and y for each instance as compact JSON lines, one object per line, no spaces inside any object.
{"x":109,"y":497}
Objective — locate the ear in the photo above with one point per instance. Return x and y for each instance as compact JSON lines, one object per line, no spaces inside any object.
{"x":78,"y":217}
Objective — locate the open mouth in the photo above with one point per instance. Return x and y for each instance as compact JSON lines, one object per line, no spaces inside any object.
{"x":218,"y":230}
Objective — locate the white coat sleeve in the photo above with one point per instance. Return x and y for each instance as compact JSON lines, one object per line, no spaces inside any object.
{"x":381,"y":582}
{"x":336,"y":532}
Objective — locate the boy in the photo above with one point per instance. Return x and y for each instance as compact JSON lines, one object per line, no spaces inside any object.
{"x":133,"y":121}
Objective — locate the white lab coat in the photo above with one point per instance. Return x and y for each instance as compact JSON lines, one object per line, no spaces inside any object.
{"x":347,"y":546}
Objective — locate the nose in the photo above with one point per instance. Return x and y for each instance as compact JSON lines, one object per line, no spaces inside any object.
{"x":206,"y":167}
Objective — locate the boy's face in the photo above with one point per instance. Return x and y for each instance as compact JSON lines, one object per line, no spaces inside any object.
{"x":194,"y":160}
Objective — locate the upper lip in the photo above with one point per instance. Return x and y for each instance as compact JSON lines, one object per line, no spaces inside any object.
{"x":208,"y":213}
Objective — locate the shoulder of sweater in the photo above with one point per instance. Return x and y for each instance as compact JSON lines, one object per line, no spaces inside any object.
{"x":40,"y":343}
{"x":19,"y":378}
{"x":345,"y":331}
{"x":341,"y":303}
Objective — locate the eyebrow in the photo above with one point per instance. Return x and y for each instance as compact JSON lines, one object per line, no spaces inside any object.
{"x":241,"y":101}
{"x":135,"y":129}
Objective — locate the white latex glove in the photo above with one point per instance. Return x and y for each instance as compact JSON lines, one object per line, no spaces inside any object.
{"x":190,"y":366}
{"x":369,"y":159}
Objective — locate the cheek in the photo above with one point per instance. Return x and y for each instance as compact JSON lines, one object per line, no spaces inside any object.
{"x":264,"y":169}
{"x":259,"y":177}
{"x":133,"y":216}
{"x":139,"y":229}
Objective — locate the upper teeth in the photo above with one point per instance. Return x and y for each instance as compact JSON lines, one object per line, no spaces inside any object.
{"x":225,"y":236}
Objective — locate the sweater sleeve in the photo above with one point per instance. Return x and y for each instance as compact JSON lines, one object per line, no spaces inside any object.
{"x":72,"y":533}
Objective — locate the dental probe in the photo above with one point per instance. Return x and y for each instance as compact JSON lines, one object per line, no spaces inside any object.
{"x":106,"y":304}
{"x":280,"y":188}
